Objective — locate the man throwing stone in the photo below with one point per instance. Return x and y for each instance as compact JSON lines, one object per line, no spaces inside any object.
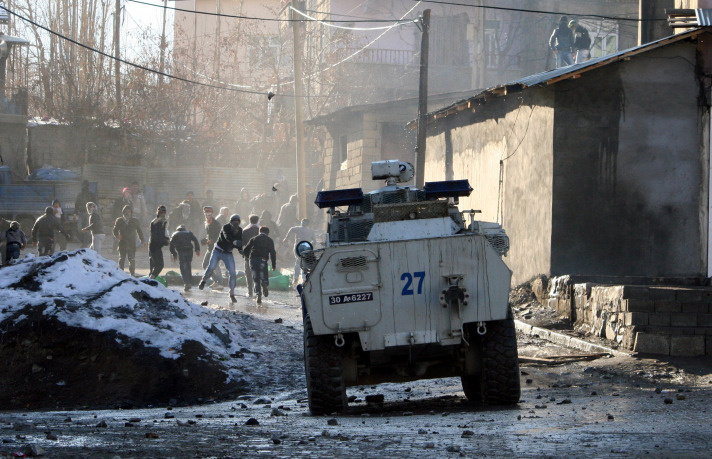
{"x":230,"y":238}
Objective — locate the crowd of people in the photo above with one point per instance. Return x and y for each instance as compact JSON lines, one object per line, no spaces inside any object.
{"x":187,"y":229}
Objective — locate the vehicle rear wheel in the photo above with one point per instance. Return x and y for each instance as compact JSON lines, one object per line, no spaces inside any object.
{"x":324,"y":372}
{"x":498,"y":382}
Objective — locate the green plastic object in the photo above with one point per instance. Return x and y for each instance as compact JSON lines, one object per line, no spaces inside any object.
{"x":162,"y":280}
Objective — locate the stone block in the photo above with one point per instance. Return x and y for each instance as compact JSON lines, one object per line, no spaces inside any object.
{"x":704,"y":320}
{"x":652,"y":344}
{"x":687,"y":346}
{"x":661,"y":319}
{"x":635,"y":318}
{"x":661,"y":293}
{"x":635,"y":292}
{"x":667,"y":306}
{"x":683,"y":319}
{"x":688,"y":296}
{"x":696,"y":306}
{"x":637,"y":305}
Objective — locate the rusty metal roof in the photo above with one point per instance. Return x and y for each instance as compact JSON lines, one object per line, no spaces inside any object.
{"x":554,"y":76}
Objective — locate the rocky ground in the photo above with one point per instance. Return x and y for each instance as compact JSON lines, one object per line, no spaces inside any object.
{"x":572,"y":405}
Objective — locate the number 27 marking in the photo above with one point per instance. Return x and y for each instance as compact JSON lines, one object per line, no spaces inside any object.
{"x":408,"y":278}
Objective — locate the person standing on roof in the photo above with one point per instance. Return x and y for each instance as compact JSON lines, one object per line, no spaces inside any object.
{"x":95,"y":227}
{"x":43,"y":232}
{"x":259,"y":250}
{"x":230,"y":238}
{"x":562,"y":42}
{"x":126,"y":228}
{"x":182,"y":244}
{"x":156,"y":241}
{"x":582,"y":42}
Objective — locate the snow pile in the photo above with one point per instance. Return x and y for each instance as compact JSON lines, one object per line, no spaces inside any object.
{"x":82,"y":289}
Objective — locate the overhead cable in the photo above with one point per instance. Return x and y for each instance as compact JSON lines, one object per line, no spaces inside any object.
{"x":327,"y":24}
{"x":254,"y":18}
{"x":232,"y":87}
{"x":527,"y":10}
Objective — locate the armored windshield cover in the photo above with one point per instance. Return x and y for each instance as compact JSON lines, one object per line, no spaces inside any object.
{"x":447,"y":189}
{"x":337,"y":198}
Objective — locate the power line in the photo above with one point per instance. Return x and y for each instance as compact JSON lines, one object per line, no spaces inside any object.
{"x":327,"y":24}
{"x":254,"y":18}
{"x":527,"y":10}
{"x":139,"y":66}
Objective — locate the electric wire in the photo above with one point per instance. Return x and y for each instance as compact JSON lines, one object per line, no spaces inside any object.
{"x":327,"y":24}
{"x":232,"y":88}
{"x":528,"y":10}
{"x":255,"y":18}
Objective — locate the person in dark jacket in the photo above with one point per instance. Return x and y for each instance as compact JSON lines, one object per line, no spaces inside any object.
{"x":15,"y":240}
{"x":230,"y":238}
{"x":126,"y":228}
{"x":259,"y":250}
{"x":582,"y":42}
{"x":181,"y":246}
{"x":562,"y":43}
{"x":212,"y":233}
{"x":95,"y":227}
{"x":43,"y":232}
{"x":80,"y":210}
{"x":61,"y":217}
{"x":248,"y":232}
{"x":156,"y":241}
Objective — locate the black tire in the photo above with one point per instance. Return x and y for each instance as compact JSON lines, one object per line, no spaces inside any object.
{"x":498,"y":383}
{"x":324,"y":373}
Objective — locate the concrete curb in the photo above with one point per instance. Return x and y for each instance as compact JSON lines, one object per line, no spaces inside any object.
{"x":565,"y":340}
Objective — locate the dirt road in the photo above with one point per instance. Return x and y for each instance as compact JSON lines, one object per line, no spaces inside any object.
{"x":621,"y":406}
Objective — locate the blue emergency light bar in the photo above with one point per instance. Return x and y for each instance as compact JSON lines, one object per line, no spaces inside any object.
{"x":447,"y":189}
{"x":337,"y":198}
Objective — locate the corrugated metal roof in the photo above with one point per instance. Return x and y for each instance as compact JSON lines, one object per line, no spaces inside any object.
{"x":704,"y":17}
{"x":556,"y":75}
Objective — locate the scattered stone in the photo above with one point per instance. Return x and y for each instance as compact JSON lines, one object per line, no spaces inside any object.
{"x":519,"y":418}
{"x":429,"y":445}
{"x":565,"y":401}
{"x":352,"y":398}
{"x":168,"y":416}
{"x":594,"y":393}
{"x":276,"y":441}
{"x":680,"y":397}
{"x":204,"y":303}
{"x":50,"y":436}
{"x":252,"y":422}
{"x":658,"y":390}
{"x":610,"y":417}
{"x":529,"y":381}
{"x":68,"y":419}
{"x":151,"y":435}
{"x":540,"y":407}
{"x":467,"y":434}
{"x":277,"y":412}
{"x":332,"y":422}
{"x":668,"y":401}
{"x":33,"y":451}
{"x":278,"y":321}
{"x":128,"y":424}
{"x":375,"y":399}
{"x":422,"y":432}
{"x":262,"y":401}
{"x":102,"y":424}
{"x":453,"y":449}
{"x":135,"y":420}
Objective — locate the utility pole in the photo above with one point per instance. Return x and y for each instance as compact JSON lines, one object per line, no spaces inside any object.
{"x":117,"y":53}
{"x":162,"y":63}
{"x":298,"y":113}
{"x":422,"y":102}
{"x":218,"y":44}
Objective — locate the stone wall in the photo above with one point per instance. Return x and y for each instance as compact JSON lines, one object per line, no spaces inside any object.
{"x":666,"y":320}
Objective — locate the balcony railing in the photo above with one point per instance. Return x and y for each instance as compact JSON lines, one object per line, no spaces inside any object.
{"x":380,"y":56}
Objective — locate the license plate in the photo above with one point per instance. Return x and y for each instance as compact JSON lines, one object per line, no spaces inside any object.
{"x":351,"y":298}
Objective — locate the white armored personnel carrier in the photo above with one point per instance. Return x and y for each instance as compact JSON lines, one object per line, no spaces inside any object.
{"x":407,"y":287}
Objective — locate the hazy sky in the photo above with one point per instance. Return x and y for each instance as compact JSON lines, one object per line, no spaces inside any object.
{"x":140,"y":17}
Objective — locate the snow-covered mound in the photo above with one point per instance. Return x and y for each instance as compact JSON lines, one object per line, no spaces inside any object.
{"x":74,"y":323}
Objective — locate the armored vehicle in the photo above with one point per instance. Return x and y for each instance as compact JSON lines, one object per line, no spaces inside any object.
{"x":407,"y":287}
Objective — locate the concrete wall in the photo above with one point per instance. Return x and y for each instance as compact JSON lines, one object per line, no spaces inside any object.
{"x":629,"y":183}
{"x":13,"y":144}
{"x":518,"y":133}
